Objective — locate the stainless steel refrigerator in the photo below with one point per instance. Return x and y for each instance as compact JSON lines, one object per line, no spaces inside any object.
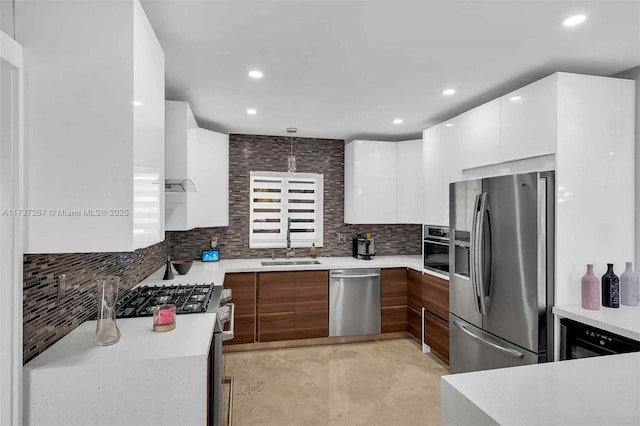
{"x":501,"y":271}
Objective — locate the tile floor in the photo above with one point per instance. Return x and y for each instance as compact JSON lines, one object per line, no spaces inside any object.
{"x":387,"y":382}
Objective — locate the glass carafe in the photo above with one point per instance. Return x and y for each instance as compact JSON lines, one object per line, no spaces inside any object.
{"x":107,"y":332}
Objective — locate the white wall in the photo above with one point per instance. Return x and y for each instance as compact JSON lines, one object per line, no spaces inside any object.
{"x":634,"y":74}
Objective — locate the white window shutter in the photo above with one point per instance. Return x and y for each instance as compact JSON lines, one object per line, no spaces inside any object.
{"x":277,"y":197}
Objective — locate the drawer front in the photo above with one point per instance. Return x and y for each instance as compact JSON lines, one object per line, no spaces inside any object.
{"x":414,"y":290}
{"x":274,"y":327}
{"x":310,"y":324}
{"x":243,"y":291}
{"x":393,"y":287}
{"x":394,"y":319}
{"x":244,"y":329}
{"x":436,"y":335}
{"x":414,"y":323}
{"x":312,"y":291}
{"x":435,"y":296}
{"x":276,"y":292}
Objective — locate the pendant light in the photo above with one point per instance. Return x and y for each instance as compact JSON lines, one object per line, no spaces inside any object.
{"x":291,"y":160}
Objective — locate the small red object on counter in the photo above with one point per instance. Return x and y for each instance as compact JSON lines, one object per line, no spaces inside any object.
{"x":164,"y":318}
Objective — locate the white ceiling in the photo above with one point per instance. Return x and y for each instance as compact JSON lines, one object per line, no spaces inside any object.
{"x":347,"y":69}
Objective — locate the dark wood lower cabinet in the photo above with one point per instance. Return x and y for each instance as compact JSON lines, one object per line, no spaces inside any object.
{"x":311,"y":304}
{"x":243,"y":290}
{"x":310,"y":324}
{"x":394,"y":319}
{"x":414,"y":319}
{"x":436,"y":335}
{"x":276,"y":326}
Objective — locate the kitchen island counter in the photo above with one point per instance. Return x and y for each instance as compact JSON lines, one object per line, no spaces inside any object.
{"x":75,"y":382}
{"x":590,"y":391}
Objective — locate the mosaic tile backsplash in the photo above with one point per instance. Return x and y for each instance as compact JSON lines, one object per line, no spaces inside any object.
{"x":47,"y":320}
{"x":269,"y":153}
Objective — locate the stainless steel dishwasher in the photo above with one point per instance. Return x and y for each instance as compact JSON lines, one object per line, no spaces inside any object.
{"x":354,"y":302}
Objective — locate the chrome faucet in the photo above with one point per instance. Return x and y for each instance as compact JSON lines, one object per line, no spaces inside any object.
{"x":290,"y":252}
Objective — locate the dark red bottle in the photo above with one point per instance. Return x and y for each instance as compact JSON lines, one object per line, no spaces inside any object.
{"x":610,"y":288}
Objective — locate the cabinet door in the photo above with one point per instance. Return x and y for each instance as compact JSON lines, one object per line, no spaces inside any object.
{"x":433,"y":179}
{"x":148,"y":133}
{"x":414,"y":318}
{"x":480,"y":137}
{"x":311,"y":304}
{"x":528,"y":121}
{"x":243,"y":292}
{"x":414,"y":290}
{"x":435,"y":295}
{"x":393,"y":283}
{"x":393,"y":291}
{"x":375,"y":182}
{"x":409,"y":183}
{"x":449,"y":164}
{"x":436,"y":335}
{"x":209,"y":205}
{"x":276,"y":296}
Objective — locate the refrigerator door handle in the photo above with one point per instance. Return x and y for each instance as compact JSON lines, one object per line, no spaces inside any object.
{"x":508,"y":351}
{"x":484,"y":276}
{"x":473,"y":266}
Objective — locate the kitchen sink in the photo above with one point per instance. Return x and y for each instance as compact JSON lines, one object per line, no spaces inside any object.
{"x":289,"y":262}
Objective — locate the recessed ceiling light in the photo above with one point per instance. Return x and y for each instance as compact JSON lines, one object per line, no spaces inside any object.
{"x":448,"y":92}
{"x":137,"y":103}
{"x":252,"y":111}
{"x":448,"y":125}
{"x":256,"y":74}
{"x":574,"y":20}
{"x":397,"y":121}
{"x":515,"y":98}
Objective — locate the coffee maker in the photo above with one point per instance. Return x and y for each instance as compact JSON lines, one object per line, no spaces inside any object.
{"x":364,"y":247}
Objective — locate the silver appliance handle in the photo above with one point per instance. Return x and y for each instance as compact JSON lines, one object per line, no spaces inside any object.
{"x":355,"y":276}
{"x":481,"y":256}
{"x":508,"y":351}
{"x":563,"y":342}
{"x":228,"y":334}
{"x":473,"y":272}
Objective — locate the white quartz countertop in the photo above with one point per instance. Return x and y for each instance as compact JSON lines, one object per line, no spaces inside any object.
{"x":624,"y":321}
{"x":590,"y":391}
{"x":207,"y":272}
{"x":138,"y":342}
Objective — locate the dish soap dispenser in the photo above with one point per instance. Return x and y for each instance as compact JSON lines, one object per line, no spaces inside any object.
{"x":313,"y":251}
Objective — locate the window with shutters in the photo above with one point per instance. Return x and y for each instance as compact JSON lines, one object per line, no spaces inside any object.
{"x":282,"y":200}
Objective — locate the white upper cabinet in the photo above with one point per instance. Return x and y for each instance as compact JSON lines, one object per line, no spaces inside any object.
{"x":201,"y":156}
{"x":432,"y":177}
{"x":94,"y":142}
{"x":409,"y":183}
{"x":370,"y":182}
{"x":480,"y":136}
{"x":528,"y":121}
{"x":441,"y":148}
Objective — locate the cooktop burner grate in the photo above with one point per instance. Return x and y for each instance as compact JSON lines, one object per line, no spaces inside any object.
{"x":190,"y":298}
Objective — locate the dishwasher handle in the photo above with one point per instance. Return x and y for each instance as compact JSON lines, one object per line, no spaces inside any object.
{"x":355,"y":276}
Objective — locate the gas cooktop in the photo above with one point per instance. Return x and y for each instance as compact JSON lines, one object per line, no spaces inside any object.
{"x":190,"y":298}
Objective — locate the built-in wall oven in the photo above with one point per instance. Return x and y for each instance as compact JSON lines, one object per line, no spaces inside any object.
{"x":436,"y":248}
{"x":578,"y":340}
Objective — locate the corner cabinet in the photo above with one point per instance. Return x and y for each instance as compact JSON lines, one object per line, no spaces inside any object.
{"x":370,"y":182}
{"x":94,"y":141}
{"x":201,"y":156}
